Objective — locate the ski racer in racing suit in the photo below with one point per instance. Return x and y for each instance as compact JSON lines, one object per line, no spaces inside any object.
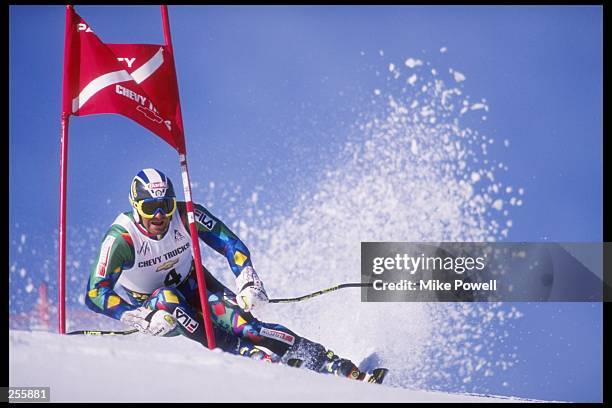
{"x":145,"y":277}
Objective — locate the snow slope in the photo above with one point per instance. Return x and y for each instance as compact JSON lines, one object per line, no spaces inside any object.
{"x":144,"y":369}
{"x":412,"y":169}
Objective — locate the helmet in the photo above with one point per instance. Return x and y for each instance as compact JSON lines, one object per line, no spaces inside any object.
{"x":151,"y":183}
{"x":152,"y":191}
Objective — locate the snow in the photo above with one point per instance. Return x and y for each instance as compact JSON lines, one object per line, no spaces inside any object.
{"x":414,"y":147}
{"x":476,"y":106}
{"x":139,"y":368}
{"x":459,"y":77}
{"x":411,"y":62}
{"x":398,"y":178}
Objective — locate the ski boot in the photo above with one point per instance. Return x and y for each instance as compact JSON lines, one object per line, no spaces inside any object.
{"x":341,"y":366}
{"x":251,"y":351}
{"x":376,"y":376}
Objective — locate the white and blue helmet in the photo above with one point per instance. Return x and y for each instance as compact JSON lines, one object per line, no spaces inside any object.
{"x":150,"y":184}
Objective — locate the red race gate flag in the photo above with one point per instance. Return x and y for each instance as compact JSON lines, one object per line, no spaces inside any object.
{"x":134,"y":80}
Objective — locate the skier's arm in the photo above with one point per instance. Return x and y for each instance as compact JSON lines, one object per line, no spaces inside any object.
{"x":116,"y":253}
{"x":219,"y":237}
{"x":250,"y":290}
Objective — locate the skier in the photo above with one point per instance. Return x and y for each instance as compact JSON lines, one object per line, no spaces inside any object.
{"x":144,"y":277}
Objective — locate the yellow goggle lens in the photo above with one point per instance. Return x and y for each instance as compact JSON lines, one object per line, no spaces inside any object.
{"x":150,"y":207}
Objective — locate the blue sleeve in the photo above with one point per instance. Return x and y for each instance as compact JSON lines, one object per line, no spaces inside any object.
{"x":219,"y":237}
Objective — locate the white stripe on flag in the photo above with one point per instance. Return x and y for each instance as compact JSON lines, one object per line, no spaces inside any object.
{"x":149,"y":67}
{"x":97,"y":85}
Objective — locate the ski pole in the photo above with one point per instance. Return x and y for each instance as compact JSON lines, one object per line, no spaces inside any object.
{"x":320,"y":292}
{"x":104,"y":332}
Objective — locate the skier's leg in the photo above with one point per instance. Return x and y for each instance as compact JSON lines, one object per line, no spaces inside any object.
{"x":190,"y":322}
{"x":283,"y":343}
{"x":229,"y":317}
{"x":278,"y":339}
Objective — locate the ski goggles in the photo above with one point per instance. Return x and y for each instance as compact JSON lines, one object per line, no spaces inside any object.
{"x":149,"y":207}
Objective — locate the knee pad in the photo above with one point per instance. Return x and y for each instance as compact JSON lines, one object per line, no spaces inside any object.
{"x":166,"y":299}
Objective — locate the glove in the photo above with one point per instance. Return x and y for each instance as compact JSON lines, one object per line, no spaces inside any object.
{"x":151,"y":322}
{"x":251,"y":293}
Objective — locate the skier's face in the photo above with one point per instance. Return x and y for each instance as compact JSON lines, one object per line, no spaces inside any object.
{"x":158,"y":225}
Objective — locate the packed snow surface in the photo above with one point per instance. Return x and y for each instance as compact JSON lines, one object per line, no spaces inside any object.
{"x":147,"y":369}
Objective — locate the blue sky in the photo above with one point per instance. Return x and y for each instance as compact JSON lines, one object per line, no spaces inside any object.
{"x":269,"y":94}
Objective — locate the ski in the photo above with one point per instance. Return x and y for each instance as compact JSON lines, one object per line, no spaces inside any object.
{"x":376,"y":376}
{"x":103,"y":332}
